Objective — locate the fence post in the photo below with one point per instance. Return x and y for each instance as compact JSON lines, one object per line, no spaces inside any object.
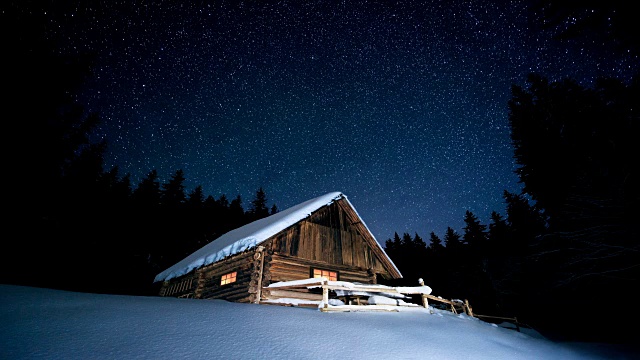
{"x":325,"y":295}
{"x":425,"y":301}
{"x":468,"y":308}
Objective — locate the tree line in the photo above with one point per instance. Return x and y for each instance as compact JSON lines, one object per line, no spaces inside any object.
{"x":485,"y":263}
{"x":98,"y":233}
{"x":70,"y":223}
{"x":568,"y":248}
{"x":569,"y":261}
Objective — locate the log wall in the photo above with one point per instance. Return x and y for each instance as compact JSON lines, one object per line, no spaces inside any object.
{"x":288,"y":268}
{"x":278,"y":267}
{"x":239,"y":291}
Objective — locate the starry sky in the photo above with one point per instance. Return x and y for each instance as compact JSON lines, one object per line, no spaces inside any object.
{"x":402,"y":106}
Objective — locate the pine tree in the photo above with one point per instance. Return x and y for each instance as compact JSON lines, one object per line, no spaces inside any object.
{"x":223,"y":202}
{"x":407,"y":243}
{"x":196,"y":198}
{"x":389,"y":248}
{"x":435,"y":263}
{"x":116,"y":189}
{"x":504,"y":267}
{"x":435,"y":244}
{"x":417,"y":259}
{"x":573,"y":147}
{"x":210,"y":202}
{"x":475,"y":265}
{"x":237,"y":216}
{"x":419,"y":244}
{"x":452,"y":274}
{"x":452,"y":240}
{"x":397,"y":243}
{"x":474,"y":232}
{"x":173,"y":192}
{"x":498,"y":235}
{"x":525,"y":220}
{"x":174,"y":239}
{"x":258,"y":208}
{"x":393,"y":248}
{"x":213,"y":218}
{"x":148,"y":191}
{"x":122,"y":188}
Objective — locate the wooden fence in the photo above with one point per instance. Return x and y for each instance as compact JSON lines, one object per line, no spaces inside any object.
{"x":297,"y":293}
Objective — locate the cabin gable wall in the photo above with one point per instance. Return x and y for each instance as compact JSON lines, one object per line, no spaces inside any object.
{"x":324,"y":240}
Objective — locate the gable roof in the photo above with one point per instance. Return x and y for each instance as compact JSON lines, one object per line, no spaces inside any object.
{"x":252,"y":234}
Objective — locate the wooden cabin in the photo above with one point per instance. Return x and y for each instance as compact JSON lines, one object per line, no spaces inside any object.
{"x":322,"y":237}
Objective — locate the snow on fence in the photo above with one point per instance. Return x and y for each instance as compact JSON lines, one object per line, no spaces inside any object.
{"x":379,"y":297}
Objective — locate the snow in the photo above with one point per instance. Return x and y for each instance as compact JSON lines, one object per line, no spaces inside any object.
{"x":54,"y":324}
{"x":356,"y":289}
{"x":383,"y":300}
{"x":375,"y":293}
{"x":414,"y":289}
{"x":251,"y":235}
{"x":367,"y":293}
{"x":345,"y":284}
{"x":293,"y":301}
{"x":311,"y":282}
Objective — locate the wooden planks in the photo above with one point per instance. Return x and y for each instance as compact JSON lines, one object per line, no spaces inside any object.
{"x":287,"y":268}
{"x":385,"y":267}
{"x":334,"y":235}
{"x":304,"y":295}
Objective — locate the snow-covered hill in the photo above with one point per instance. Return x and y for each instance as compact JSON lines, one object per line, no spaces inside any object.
{"x":52,"y":324}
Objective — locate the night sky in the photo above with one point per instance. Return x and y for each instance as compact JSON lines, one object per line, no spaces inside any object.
{"x":400,"y":106}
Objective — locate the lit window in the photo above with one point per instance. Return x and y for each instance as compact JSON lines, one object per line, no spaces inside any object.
{"x":228,"y":278}
{"x":330,"y":275}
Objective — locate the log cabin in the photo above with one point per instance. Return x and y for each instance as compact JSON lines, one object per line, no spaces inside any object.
{"x":321,"y":237}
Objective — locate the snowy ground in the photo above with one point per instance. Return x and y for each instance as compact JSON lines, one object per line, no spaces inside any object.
{"x":52,"y":324}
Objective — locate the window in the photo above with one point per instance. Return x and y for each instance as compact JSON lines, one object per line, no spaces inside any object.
{"x":228,"y":278}
{"x":330,"y":275}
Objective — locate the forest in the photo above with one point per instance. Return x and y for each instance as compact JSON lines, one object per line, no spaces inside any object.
{"x":563,"y":257}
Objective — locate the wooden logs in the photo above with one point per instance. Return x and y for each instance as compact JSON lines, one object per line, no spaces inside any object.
{"x":258,"y":268}
{"x":272,"y":294}
{"x":467,"y":307}
{"x":325,"y":297}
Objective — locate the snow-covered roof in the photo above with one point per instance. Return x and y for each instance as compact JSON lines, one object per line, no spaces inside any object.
{"x":249,"y":236}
